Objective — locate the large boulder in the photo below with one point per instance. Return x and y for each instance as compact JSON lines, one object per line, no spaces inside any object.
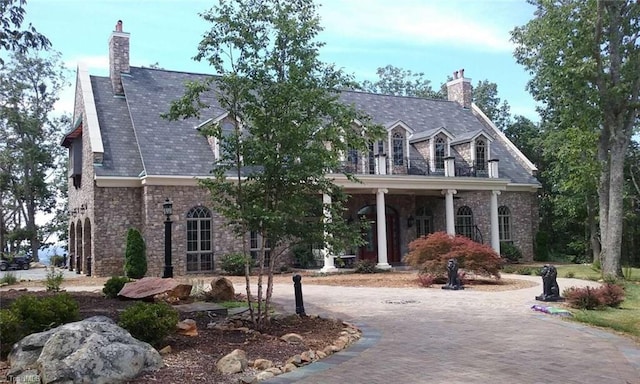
{"x":234,"y":362}
{"x":149,"y":288}
{"x":95,"y":350}
{"x":222,"y":290}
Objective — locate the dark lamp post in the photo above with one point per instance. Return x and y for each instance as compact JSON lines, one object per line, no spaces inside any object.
{"x":167,"y":208}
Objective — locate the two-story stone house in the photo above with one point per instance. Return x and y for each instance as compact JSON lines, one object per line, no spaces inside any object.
{"x":443,"y":166}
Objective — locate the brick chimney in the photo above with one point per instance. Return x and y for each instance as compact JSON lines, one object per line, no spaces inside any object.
{"x":459,"y":89}
{"x":118,"y":57}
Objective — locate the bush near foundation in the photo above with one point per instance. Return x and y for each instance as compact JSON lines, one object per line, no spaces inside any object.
{"x":114,"y":285}
{"x":430,"y":255}
{"x":135,"y":258}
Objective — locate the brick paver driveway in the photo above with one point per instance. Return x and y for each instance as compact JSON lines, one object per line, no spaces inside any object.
{"x":438,"y":336}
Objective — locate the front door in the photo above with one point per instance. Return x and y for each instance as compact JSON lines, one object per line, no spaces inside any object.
{"x":369,"y":251}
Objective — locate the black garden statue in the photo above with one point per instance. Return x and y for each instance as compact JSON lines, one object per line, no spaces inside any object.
{"x":550,"y":289}
{"x":453,"y":280}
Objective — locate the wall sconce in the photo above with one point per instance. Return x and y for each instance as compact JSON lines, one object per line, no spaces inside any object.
{"x":83,"y":207}
{"x":410,"y":221}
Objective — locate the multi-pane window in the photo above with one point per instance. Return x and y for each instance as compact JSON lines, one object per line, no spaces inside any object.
{"x":352,"y":160}
{"x":199,"y":244}
{"x":255,"y":246}
{"x":439,"y":153}
{"x":464,"y":222}
{"x":398,"y":149}
{"x":226,"y":145}
{"x":481,"y":154}
{"x":424,"y":221}
{"x":372,"y":159}
{"x":504,"y":223}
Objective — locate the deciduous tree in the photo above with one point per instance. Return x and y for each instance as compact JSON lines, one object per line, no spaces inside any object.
{"x":285,"y":129}
{"x":585,"y":60}
{"x":12,"y":36}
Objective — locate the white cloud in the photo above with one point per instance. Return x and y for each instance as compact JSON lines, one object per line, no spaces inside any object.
{"x":416,"y":22}
{"x":98,"y":63}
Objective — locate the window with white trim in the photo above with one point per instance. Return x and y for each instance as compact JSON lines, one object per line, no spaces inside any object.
{"x":199,"y":240}
{"x":464,"y":222}
{"x":481,"y":154}
{"x":504,"y":223}
{"x":398,"y":149}
{"x":424,"y":221}
{"x":255,"y":246}
{"x":439,"y":153}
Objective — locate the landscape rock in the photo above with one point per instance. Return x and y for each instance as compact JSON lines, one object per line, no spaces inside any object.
{"x":262,"y":364}
{"x":289,"y":367}
{"x":264,"y":375}
{"x":187,"y":327}
{"x":95,"y":350}
{"x":166,"y":350}
{"x":222,"y":290}
{"x":234,"y":362}
{"x":248,"y":380}
{"x":149,"y":287}
{"x":292,"y":338}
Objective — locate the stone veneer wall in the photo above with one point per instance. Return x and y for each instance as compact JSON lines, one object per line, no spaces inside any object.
{"x":119,"y":211}
{"x":522,"y":206}
{"x":184,"y":198}
{"x":84,"y":194}
{"x":464,"y":150}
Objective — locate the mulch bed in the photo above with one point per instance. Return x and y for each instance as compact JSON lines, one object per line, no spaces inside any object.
{"x":192,"y":358}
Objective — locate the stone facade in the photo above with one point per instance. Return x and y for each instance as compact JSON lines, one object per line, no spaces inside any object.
{"x":460,"y":90}
{"x":118,"y":57}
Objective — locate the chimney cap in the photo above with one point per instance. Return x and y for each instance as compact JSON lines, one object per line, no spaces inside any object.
{"x":119,"y":26}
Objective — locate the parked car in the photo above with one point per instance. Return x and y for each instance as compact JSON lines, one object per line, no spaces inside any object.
{"x":17,"y":262}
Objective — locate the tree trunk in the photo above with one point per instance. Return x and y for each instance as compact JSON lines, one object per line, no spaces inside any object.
{"x":592,"y":224}
{"x":611,"y":266}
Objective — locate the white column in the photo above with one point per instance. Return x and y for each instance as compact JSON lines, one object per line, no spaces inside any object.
{"x":448,"y":205}
{"x":329,"y":265}
{"x":495,"y":231}
{"x":382,"y":229}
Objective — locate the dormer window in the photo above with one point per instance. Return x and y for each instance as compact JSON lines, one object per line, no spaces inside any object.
{"x":398,"y":149}
{"x":440,"y":153}
{"x":481,"y":154}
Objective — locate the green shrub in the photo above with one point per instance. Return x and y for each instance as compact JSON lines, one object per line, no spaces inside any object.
{"x":114,"y":285}
{"x":9,"y":278}
{"x":541,"y":246}
{"x":365,"y":266}
{"x":510,"y":252}
{"x":10,"y":331}
{"x":302,"y":256}
{"x":37,"y":315}
{"x":234,"y":264}
{"x":54,"y":280}
{"x":149,"y":322}
{"x":135,"y":258}
{"x":570,"y":275}
{"x":430,"y":255}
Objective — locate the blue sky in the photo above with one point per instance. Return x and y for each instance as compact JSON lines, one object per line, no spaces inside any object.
{"x":430,"y":36}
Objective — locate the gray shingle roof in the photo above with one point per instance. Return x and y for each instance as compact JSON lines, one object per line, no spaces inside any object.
{"x":176,"y":147}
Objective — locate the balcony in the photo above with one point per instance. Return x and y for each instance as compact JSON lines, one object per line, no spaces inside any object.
{"x":417,"y":166}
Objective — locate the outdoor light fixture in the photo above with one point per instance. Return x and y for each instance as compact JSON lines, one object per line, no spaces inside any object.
{"x":410,"y":221}
{"x":167,"y":208}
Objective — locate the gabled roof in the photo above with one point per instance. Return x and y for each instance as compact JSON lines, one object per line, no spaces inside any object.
{"x":399,"y":123}
{"x":139,"y":141}
{"x":429,"y":134}
{"x":470,"y":136}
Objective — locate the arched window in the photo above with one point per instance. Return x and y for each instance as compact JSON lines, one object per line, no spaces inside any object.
{"x":398,"y":149}
{"x":464,"y":222}
{"x":504,"y":223}
{"x":424,"y":221}
{"x":199,"y":244}
{"x":352,"y":160}
{"x":481,"y":155}
{"x":440,"y":153}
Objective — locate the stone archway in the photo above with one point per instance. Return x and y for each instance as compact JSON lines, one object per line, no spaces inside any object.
{"x":72,"y":246}
{"x":86,"y":246}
